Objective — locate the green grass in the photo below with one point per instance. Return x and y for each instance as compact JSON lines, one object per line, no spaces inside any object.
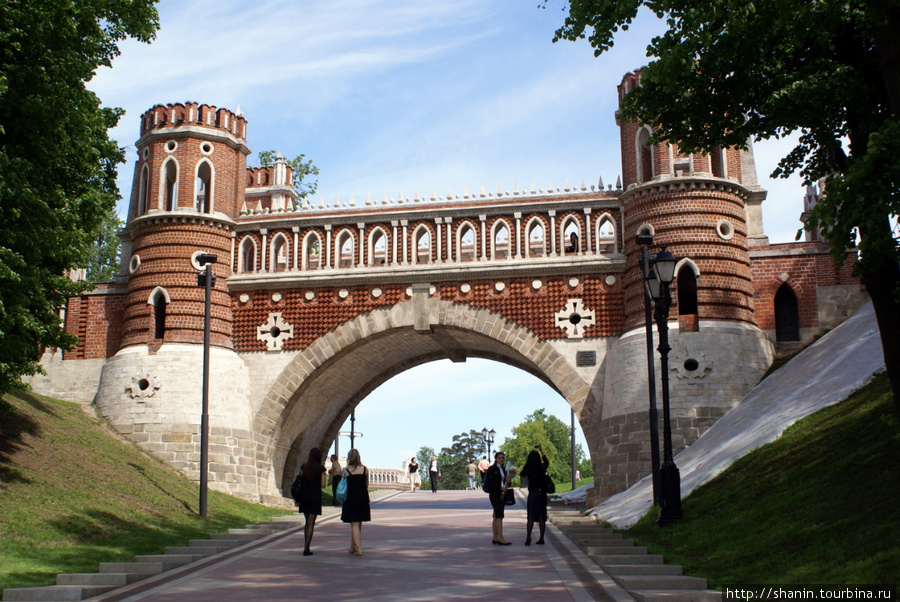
{"x":73,"y":494}
{"x":817,"y":506}
{"x":566,"y":486}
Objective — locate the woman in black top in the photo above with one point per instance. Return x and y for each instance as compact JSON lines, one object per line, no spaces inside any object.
{"x":310,"y":502}
{"x":356,"y":507}
{"x":496,"y":484}
{"x":535,"y":469}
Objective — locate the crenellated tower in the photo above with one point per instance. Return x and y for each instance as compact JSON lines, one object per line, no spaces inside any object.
{"x":189,"y":185}
{"x":704,"y":208}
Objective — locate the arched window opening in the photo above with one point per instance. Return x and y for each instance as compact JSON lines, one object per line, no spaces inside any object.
{"x":312,"y":252}
{"x":159,"y":316}
{"x":606,"y":235}
{"x":787,"y":315}
{"x":536,"y":239}
{"x":203,"y":192}
{"x":248,"y":256}
{"x":280,"y":249}
{"x":170,"y":188}
{"x":467,"y":243}
{"x":422,"y":245}
{"x":143,"y":190}
{"x":644,"y":150}
{"x":717,"y":162}
{"x":345,"y":244}
{"x":571,"y":237}
{"x":687,"y":291}
{"x":379,"y":247}
{"x":501,"y":241}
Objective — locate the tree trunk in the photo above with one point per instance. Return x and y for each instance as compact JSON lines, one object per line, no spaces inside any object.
{"x":882,"y":283}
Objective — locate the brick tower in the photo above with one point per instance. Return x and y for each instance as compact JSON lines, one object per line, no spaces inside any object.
{"x":189,"y":184}
{"x":705,"y":210}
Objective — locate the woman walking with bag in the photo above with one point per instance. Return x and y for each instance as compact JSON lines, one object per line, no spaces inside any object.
{"x":312,"y":479}
{"x":536,"y":470}
{"x":356,"y":507}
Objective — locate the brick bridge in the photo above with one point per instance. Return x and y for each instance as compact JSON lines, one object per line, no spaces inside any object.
{"x":314,"y":307}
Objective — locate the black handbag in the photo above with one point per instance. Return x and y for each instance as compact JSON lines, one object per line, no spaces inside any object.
{"x":549,"y":485}
{"x":297,"y":488}
{"x":509,"y":498}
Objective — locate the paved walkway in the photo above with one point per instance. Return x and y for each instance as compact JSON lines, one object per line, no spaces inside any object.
{"x":421,"y":546}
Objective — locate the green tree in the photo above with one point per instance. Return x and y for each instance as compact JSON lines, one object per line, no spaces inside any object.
{"x":424,"y":460}
{"x":303,"y":170}
{"x":466,"y":447}
{"x":553,"y":434}
{"x":57,"y":163}
{"x":103,"y":263}
{"x":829,"y":70}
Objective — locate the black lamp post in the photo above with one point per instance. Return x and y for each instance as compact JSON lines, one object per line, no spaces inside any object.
{"x":669,"y":476}
{"x":488,"y":438}
{"x":644,"y":240}
{"x":205,"y":279}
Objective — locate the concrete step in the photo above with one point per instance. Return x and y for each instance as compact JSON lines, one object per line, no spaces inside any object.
{"x":254,"y":531}
{"x":685,"y":595}
{"x":198,"y":551}
{"x":639,"y":569}
{"x":146,"y":568}
{"x":220,"y":544}
{"x":167,"y":558}
{"x":55,"y":592}
{"x":621,"y":559}
{"x":101,"y":579}
{"x":660,"y":582}
{"x":243,"y":537}
{"x":612,"y":550}
{"x":603,"y":534}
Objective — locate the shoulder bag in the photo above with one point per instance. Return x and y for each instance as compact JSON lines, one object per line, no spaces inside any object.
{"x":341,"y":494}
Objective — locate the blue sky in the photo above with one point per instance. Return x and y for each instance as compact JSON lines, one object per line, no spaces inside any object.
{"x":405,"y":97}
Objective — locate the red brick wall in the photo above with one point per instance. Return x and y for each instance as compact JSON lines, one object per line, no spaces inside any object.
{"x":519,"y":302}
{"x":96,"y":319}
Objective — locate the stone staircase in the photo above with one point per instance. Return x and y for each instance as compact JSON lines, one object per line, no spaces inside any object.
{"x":644,"y":576}
{"x":113,"y":575}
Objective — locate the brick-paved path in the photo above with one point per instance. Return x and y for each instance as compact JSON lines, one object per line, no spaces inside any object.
{"x":421,"y":546}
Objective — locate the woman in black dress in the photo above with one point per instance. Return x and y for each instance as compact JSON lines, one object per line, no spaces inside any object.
{"x":535,"y":469}
{"x":496,"y":484}
{"x":356,"y":507}
{"x":313,"y":476}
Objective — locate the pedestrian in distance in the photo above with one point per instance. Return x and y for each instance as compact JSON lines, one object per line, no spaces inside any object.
{"x":496,"y":484}
{"x":471,"y":470}
{"x":414,"y":479}
{"x":434,"y":472}
{"x":312,"y":475}
{"x":483,"y":466}
{"x":356,"y":510}
{"x":335,"y":472}
{"x":534,"y":470}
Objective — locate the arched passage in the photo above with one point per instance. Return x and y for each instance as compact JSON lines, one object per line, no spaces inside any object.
{"x":320,"y":387}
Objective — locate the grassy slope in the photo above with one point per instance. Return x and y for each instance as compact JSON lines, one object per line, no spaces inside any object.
{"x":817,"y":506}
{"x":74,"y":495}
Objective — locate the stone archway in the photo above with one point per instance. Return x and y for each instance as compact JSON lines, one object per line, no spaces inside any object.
{"x":315,"y":393}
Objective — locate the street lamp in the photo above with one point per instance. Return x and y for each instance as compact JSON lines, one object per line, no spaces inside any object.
{"x":488,"y":438}
{"x":205,"y":279}
{"x":645,"y":240}
{"x":669,"y":476}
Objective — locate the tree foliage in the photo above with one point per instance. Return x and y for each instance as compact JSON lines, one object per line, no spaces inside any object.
{"x":555,"y":438}
{"x":103,"y":262}
{"x":828,"y":70}
{"x":57,"y":163}
{"x":303,"y":170}
{"x":466,"y":447}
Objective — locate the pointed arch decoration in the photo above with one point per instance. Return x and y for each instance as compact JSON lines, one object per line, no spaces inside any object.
{"x":169,"y":185}
{"x":159,"y":300}
{"x":535,"y":238}
{"x":312,"y":252}
{"x":787,"y":314}
{"x":466,"y":242}
{"x":345,"y":245}
{"x":570,"y":235}
{"x":605,"y":234}
{"x":501,"y":239}
{"x":143,"y":190}
{"x":203,"y":189}
{"x":279,"y":253}
{"x":421,"y":244}
{"x":378,"y":246}
{"x":247,"y":255}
